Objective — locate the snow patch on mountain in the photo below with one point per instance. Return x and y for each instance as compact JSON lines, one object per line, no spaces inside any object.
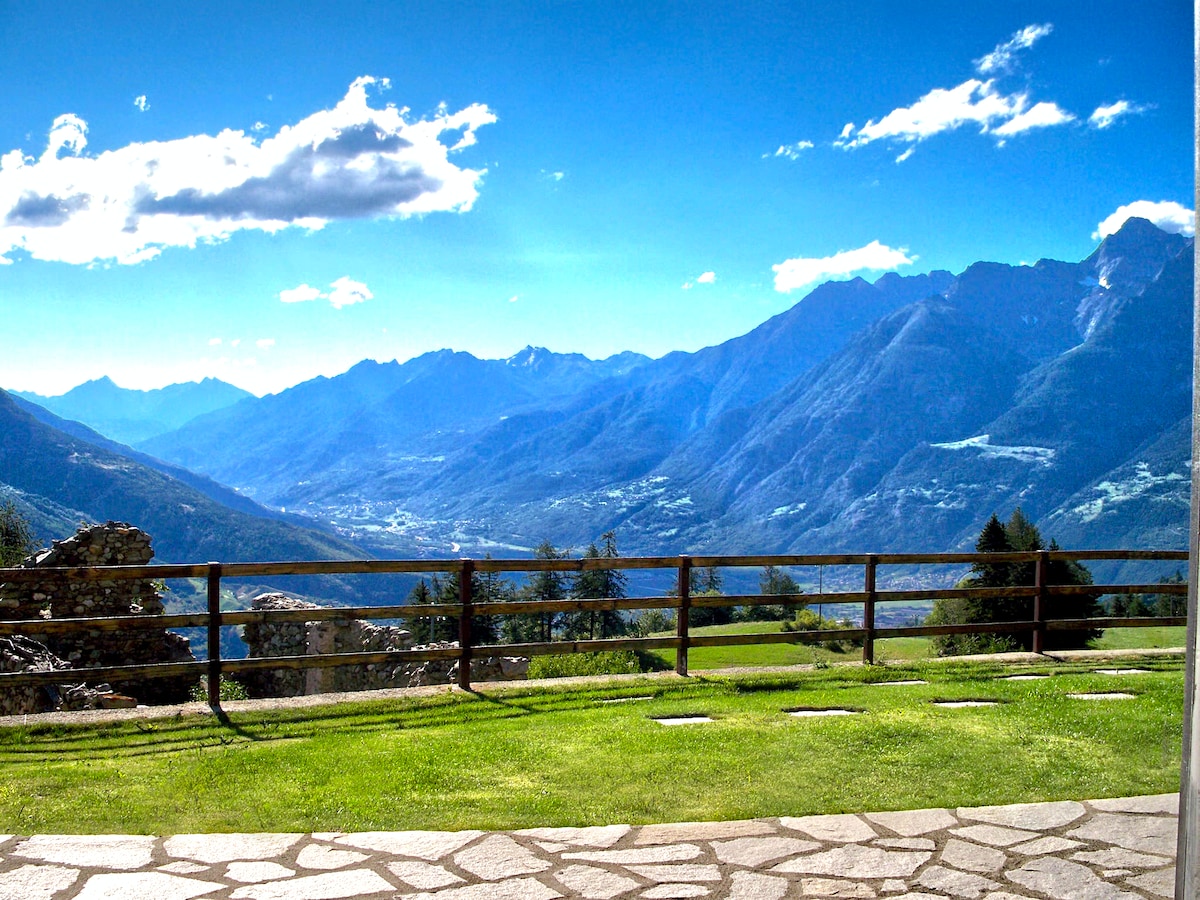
{"x":1112,"y":493}
{"x":988,"y":450}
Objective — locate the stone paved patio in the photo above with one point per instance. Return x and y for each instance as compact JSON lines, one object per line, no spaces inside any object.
{"x":1095,"y":850}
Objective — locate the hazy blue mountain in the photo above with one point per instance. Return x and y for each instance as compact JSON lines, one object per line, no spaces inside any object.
{"x":996,"y":394}
{"x":128,"y":415}
{"x":892,"y":415}
{"x":54,"y":475}
{"x":211,"y":489}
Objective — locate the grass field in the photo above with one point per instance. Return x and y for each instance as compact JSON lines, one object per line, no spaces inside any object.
{"x":886,"y":650}
{"x":527,"y":756}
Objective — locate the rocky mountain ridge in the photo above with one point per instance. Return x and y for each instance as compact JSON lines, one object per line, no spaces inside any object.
{"x":892,"y":415}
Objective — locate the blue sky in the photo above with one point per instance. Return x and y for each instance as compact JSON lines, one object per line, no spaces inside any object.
{"x":264,"y":195}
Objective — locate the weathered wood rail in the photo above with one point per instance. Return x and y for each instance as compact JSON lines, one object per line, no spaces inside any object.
{"x":213,"y":619}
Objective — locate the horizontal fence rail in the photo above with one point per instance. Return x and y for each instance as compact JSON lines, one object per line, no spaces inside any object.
{"x":682,"y":601}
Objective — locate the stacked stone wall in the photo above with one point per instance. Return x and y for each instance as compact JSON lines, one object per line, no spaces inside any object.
{"x":351,"y":636}
{"x":110,"y":544}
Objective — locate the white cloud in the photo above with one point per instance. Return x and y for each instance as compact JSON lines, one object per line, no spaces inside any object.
{"x":1002,"y":58}
{"x":706,"y":278}
{"x":976,"y":101}
{"x":1104,"y":116}
{"x":300,"y":294}
{"x":214,"y":342}
{"x":553,"y":176}
{"x":343,"y":292}
{"x":1166,"y":214}
{"x":942,"y":109}
{"x":265,"y":343}
{"x":791,"y":151}
{"x":792,"y":274}
{"x":68,"y":132}
{"x":514,"y":298}
{"x":346,"y":292}
{"x":1040,"y":115}
{"x":141,"y":103}
{"x":128,"y":204}
{"x":259,"y":127}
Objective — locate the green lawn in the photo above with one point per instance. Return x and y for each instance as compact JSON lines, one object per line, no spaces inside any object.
{"x":704,"y":658}
{"x":1141,"y":638}
{"x":886,"y":650}
{"x":526,"y":756}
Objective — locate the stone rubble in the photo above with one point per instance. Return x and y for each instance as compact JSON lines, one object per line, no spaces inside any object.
{"x":276,"y":638}
{"x":1113,"y":849}
{"x":110,"y":544}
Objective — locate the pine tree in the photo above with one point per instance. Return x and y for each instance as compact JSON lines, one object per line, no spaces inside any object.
{"x":1018,"y":534}
{"x":16,"y":537}
{"x":548,"y":586}
{"x":707,"y":582}
{"x":593,"y":584}
{"x":772,"y":580}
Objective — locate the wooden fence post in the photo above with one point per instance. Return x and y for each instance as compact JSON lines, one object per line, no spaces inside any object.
{"x":682,"y":616}
{"x":1041,"y":573}
{"x":869,"y":609}
{"x":464,"y":624}
{"x":214,"y":634}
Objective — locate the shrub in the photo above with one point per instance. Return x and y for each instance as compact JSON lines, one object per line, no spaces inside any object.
{"x":608,"y":662}
{"x":230,"y":690}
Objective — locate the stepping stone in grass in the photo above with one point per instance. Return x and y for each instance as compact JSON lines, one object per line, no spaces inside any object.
{"x":1110,"y":695}
{"x":804,"y":712}
{"x":1122,"y":671}
{"x":909,"y":681}
{"x":965,"y":704}
{"x":1023,"y":677}
{"x":698,"y":719}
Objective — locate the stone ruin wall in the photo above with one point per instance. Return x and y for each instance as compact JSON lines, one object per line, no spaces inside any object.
{"x":117,"y":543}
{"x":110,"y":544}
{"x":352,"y":636}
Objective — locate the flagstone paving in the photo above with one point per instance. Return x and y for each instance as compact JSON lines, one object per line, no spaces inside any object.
{"x":1109,"y":849}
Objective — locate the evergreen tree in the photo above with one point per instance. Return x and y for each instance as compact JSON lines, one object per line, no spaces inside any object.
{"x":593,"y":584}
{"x":428,"y":629}
{"x":548,"y":586}
{"x":1018,"y":534}
{"x":16,"y":537}
{"x":707,"y":582}
{"x":773,"y":580}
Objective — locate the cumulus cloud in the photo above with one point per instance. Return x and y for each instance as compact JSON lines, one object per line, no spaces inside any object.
{"x":791,"y":151}
{"x":128,"y":204}
{"x":300,"y":294}
{"x":343,"y":292}
{"x":1003,"y":57}
{"x":141,"y":103}
{"x":978,"y":102}
{"x":265,"y":343}
{"x":1166,"y":214}
{"x":1104,"y":116}
{"x":346,"y":292}
{"x":214,"y":342}
{"x":792,"y":274}
{"x":1040,"y":115}
{"x":702,"y":278}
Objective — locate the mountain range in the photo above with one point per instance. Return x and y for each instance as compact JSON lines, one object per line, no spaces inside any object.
{"x":129,"y":416}
{"x":894,"y":415}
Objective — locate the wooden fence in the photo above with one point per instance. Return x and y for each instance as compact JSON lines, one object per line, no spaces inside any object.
{"x":213,"y":619}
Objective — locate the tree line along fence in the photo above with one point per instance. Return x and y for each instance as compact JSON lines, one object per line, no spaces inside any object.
{"x":1040,"y":591}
